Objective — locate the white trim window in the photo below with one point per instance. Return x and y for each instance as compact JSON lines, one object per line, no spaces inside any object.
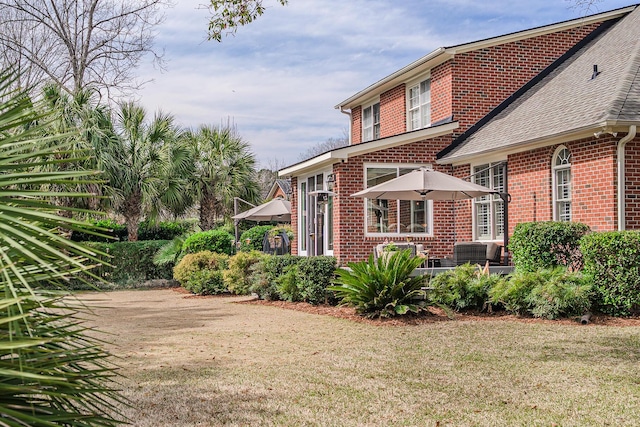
{"x":371,"y":122}
{"x":419,"y":105}
{"x":395,"y":217}
{"x":489,"y":210}
{"x":561,"y":176}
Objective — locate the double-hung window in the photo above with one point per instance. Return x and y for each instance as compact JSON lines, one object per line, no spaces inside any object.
{"x":419,"y":105}
{"x":489,"y":209}
{"x":395,"y":217}
{"x":371,"y":122}
{"x":561,"y":166}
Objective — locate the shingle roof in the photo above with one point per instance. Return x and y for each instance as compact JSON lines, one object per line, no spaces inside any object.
{"x":568,"y":98}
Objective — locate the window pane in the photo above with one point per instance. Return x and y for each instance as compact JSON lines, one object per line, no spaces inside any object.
{"x":482,"y":177}
{"x":498,"y":209}
{"x":414,"y":97}
{"x":482,"y":220}
{"x":414,"y":119}
{"x":426,"y":116}
{"x":378,"y":210}
{"x":366,"y":117}
{"x":377,"y":216}
{"x":564,"y":211}
{"x":563,"y":158}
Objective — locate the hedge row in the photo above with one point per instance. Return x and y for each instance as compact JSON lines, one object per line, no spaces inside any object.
{"x":287,"y":277}
{"x":610,"y":261}
{"x":127,"y":264}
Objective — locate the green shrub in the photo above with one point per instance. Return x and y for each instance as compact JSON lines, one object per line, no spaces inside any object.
{"x":166,"y":230}
{"x":266,"y":273}
{"x":287,"y":284}
{"x":513,"y":293}
{"x":549,"y":244}
{"x":563,"y":293}
{"x":464,"y":287}
{"x":261,"y":284}
{"x":111,"y":232}
{"x":549,"y":293}
{"x":382,"y":288}
{"x":252,"y":238}
{"x":202,"y":272}
{"x":294,"y":278}
{"x":315,"y":276}
{"x":612,"y":265}
{"x":218,"y":241}
{"x":238,"y":277}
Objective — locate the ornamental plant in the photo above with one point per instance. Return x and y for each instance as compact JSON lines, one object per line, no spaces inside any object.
{"x":202,"y":273}
{"x":382,"y":288}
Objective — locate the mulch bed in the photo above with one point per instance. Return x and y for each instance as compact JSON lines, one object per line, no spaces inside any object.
{"x":432,"y":315}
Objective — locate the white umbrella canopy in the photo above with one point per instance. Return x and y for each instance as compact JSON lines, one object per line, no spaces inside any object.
{"x":274,"y":210}
{"x":425,"y":184}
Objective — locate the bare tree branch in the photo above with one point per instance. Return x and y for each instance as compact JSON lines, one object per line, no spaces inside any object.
{"x":76,"y":43}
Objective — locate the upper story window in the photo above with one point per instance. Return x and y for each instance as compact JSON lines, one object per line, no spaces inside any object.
{"x":371,"y":122}
{"x":489,"y":209}
{"x":419,"y":105}
{"x":561,"y":171}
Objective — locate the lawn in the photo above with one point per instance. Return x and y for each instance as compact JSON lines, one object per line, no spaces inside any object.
{"x":213,"y":362}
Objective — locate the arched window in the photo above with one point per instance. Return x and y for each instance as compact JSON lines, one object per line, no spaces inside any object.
{"x":561,"y":170}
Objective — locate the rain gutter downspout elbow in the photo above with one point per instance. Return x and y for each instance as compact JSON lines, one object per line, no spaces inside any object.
{"x":348,"y":113}
{"x":621,"y":176}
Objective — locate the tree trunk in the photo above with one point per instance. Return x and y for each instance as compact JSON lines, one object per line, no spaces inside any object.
{"x":208,"y":211}
{"x":132,"y":212}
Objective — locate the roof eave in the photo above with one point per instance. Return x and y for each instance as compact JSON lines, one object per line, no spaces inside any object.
{"x":560,"y":138}
{"x":343,"y":154}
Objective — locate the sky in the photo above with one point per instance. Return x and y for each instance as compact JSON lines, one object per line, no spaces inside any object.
{"x":279,"y":78}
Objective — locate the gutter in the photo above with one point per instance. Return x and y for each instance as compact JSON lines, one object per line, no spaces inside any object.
{"x":621,"y":176}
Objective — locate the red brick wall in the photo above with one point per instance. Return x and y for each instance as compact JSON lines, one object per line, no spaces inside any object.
{"x":632,"y":188}
{"x":471,"y":84}
{"x":392,"y":112}
{"x":356,"y":125}
{"x":441,"y":92}
{"x":593,"y":192}
{"x":483,"y":78}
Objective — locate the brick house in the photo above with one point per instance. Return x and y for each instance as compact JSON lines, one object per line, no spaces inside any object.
{"x":513,"y":112}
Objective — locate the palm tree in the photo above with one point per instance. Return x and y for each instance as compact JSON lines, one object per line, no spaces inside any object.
{"x":84,"y":124}
{"x":53,"y":374}
{"x":224,"y":169}
{"x":137,"y":162}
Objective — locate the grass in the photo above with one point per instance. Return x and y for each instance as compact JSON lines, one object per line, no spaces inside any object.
{"x":210,"y":362}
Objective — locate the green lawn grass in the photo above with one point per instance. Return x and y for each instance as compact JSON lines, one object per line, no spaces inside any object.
{"x":211,"y":362}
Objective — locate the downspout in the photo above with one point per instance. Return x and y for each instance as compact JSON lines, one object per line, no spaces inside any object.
{"x":621,"y":176}
{"x":348,"y":113}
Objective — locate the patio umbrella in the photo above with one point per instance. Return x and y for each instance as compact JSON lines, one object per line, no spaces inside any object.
{"x":425,"y":184}
{"x":274,"y":210}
